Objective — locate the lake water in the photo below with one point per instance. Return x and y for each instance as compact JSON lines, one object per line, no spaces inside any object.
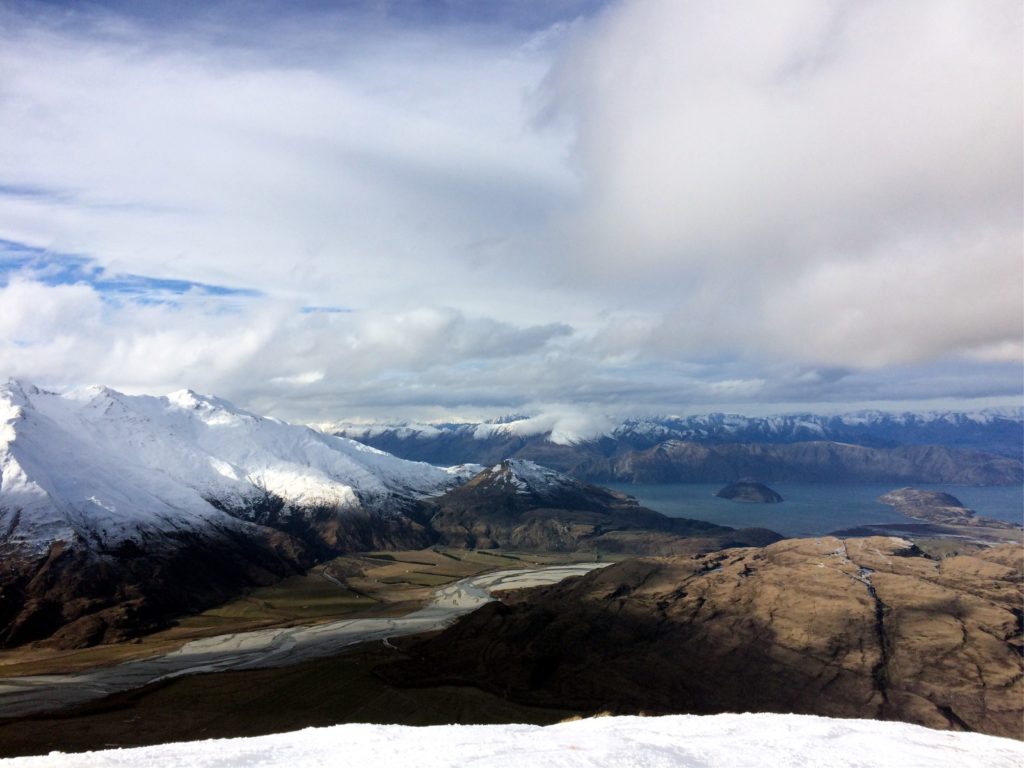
{"x":814,"y":509}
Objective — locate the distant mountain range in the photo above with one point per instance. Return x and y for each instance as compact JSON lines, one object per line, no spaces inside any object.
{"x":995,"y":430}
{"x":973,"y":448}
{"x":119,"y":512}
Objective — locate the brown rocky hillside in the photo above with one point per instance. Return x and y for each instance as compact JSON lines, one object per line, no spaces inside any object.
{"x":865,"y":628}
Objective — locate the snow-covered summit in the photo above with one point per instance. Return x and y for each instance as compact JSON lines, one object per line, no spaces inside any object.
{"x":106,"y":467}
{"x":526,"y":477}
{"x":680,"y":741}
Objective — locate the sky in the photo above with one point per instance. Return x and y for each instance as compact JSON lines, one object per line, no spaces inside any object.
{"x":456,"y":209}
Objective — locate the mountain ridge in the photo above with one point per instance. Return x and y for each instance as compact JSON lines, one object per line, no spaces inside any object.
{"x":997,"y":429}
{"x":666,"y":457}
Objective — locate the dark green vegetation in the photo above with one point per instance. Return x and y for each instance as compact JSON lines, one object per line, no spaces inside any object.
{"x":340,"y":689}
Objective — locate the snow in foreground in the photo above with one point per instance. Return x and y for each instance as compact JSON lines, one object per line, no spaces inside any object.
{"x":730,"y":741}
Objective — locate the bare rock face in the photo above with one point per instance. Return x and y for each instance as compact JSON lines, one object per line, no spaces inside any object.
{"x":864,"y":628}
{"x":749,"y":492}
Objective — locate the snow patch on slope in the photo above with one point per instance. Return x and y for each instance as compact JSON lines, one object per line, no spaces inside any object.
{"x":725,"y":741}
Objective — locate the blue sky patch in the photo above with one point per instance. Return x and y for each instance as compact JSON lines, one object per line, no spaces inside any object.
{"x":51,"y":268}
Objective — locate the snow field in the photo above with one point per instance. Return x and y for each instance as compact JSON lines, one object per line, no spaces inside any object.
{"x":718,"y":741}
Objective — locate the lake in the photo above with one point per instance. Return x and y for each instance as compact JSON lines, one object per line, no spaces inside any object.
{"x":814,"y":509}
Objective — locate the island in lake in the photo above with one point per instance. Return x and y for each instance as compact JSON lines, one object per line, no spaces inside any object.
{"x":749,"y":492}
{"x":937,"y":507}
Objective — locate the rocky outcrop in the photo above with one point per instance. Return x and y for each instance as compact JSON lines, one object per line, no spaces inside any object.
{"x":865,"y":628}
{"x":749,"y":492}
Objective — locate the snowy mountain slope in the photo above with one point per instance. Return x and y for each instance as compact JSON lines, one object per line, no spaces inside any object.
{"x":683,"y":741}
{"x":527,"y":477}
{"x":119,"y":512}
{"x":108,"y":467}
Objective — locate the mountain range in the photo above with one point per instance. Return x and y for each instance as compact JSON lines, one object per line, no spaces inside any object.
{"x":994,"y":430}
{"x":119,"y":512}
{"x":978,"y":448}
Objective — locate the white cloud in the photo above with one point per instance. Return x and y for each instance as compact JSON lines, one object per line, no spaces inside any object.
{"x":729,"y":203}
{"x":848,"y":170}
{"x":357,"y":178}
{"x":35,"y":314}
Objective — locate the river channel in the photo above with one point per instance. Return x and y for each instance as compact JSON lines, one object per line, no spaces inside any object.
{"x":269,"y":647}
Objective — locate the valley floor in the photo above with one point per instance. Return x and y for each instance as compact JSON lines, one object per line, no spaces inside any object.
{"x":368,"y":585}
{"x":174,"y":701}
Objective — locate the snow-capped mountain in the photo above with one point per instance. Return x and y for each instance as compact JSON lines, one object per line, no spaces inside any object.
{"x":712,"y":741}
{"x":996,"y":429}
{"x":107,"y":467}
{"x":526,"y":477}
{"x":118,"y":512}
{"x":982,"y":447}
{"x":1000,"y":430}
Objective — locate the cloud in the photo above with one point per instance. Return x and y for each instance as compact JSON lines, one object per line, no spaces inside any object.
{"x":35,"y":314}
{"x":254,"y":347}
{"x":848,"y":171}
{"x":542,"y":207}
{"x":360,"y":175}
